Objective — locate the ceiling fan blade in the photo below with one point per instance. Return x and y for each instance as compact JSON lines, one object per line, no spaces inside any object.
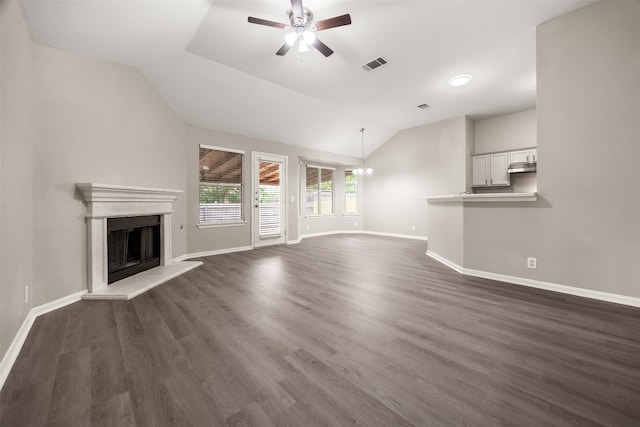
{"x":283,"y":50}
{"x":336,"y":21}
{"x":266,"y":22}
{"x":323,"y":48}
{"x":296,"y":7}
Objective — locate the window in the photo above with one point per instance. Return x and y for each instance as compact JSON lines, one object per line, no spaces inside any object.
{"x":350,"y":192}
{"x":220,"y":185}
{"x":319,"y":190}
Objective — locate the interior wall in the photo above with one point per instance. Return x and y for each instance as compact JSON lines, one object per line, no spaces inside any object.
{"x":584,"y":229}
{"x":97,"y":122}
{"x":221,"y":238}
{"x":17,"y":140}
{"x":422,"y":161}
{"x":507,"y":132}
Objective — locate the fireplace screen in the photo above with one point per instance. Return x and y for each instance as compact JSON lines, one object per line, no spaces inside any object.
{"x":133,"y":245}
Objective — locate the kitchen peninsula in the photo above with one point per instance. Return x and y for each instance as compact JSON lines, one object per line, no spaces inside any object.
{"x":446,"y":222}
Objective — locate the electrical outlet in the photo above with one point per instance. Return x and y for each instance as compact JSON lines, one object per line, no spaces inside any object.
{"x":532,"y":263}
{"x":26,"y":294}
{"x":307,"y":226}
{"x":413,"y":228}
{"x":355,"y":224}
{"x":293,"y":199}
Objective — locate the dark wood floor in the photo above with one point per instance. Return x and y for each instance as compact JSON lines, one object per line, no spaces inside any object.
{"x":341,"y":330}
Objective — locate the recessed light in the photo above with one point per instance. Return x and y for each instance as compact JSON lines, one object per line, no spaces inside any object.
{"x":460,"y":80}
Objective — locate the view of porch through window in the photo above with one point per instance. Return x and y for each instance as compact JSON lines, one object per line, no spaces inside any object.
{"x":269,"y":199}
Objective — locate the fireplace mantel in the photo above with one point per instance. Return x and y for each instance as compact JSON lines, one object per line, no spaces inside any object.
{"x":105,"y":201}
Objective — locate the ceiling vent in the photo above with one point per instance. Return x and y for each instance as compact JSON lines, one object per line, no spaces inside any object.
{"x":378,"y":62}
{"x":424,"y":106}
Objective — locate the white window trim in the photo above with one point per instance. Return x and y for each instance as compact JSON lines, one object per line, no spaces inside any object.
{"x":333,"y":191}
{"x":219,"y":224}
{"x":322,"y":167}
{"x":213,"y":147}
{"x":345,"y":213}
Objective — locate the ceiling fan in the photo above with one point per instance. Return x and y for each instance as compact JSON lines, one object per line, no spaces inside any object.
{"x":302,"y":29}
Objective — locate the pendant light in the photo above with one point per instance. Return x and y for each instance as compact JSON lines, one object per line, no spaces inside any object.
{"x":363,"y":169}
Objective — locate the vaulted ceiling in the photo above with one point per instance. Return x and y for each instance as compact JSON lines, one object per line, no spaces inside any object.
{"x":220,"y":72}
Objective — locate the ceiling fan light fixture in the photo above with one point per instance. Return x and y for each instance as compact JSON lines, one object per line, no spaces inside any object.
{"x":290,"y":37}
{"x":301,"y":29}
{"x":309,"y":36}
{"x":302,"y":46}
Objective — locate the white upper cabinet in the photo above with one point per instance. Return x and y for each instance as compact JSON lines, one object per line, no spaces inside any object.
{"x":520,"y":156}
{"x":498,"y":169}
{"x":480,"y":170}
{"x":523,"y":156}
{"x":490,"y":170}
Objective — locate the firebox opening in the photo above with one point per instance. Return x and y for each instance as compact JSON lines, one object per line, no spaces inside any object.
{"x":133,"y":245}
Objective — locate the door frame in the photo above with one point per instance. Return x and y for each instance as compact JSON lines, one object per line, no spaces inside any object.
{"x":255,"y":185}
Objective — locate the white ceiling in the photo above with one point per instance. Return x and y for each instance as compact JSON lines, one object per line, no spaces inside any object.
{"x":220,"y":72}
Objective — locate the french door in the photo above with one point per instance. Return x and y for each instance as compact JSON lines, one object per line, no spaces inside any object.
{"x":269,"y":199}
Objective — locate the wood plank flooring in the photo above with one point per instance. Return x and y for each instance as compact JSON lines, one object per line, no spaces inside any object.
{"x":335,"y":331}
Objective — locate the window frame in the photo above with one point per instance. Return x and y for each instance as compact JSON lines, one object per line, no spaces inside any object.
{"x":350,"y":172}
{"x":223,"y":223}
{"x":319,"y":190}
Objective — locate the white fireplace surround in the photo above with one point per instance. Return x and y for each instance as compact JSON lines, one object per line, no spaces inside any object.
{"x":108,"y":201}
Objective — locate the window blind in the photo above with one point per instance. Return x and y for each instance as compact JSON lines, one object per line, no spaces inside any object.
{"x":221,"y":188}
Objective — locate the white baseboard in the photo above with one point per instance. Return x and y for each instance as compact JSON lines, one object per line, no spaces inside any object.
{"x":571,"y":290}
{"x":373,"y":233}
{"x":401,"y":236}
{"x":555,"y":287}
{"x":216,"y":252}
{"x":13,"y":351}
{"x":446,"y":262}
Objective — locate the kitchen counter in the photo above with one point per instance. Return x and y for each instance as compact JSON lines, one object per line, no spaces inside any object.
{"x":483,"y":197}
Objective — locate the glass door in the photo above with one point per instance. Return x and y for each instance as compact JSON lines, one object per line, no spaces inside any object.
{"x":269,"y":200}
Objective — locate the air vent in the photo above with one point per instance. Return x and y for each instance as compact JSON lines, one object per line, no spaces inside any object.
{"x":378,"y":62}
{"x":424,"y":106}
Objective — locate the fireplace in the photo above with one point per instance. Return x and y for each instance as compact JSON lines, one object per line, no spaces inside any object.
{"x":112,"y":212}
{"x":133,"y":245}
{"x":129,"y":230}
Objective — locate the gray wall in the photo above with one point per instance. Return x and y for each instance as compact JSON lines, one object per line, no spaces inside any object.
{"x":585,"y":229}
{"x":230,"y":237}
{"x":17,"y":140}
{"x":97,"y":122}
{"x":508,"y":132}
{"x":422,"y":161}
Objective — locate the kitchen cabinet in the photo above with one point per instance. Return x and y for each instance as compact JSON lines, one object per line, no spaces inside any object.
{"x":490,"y":170}
{"x":523,"y":156}
{"x":480,"y":166}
